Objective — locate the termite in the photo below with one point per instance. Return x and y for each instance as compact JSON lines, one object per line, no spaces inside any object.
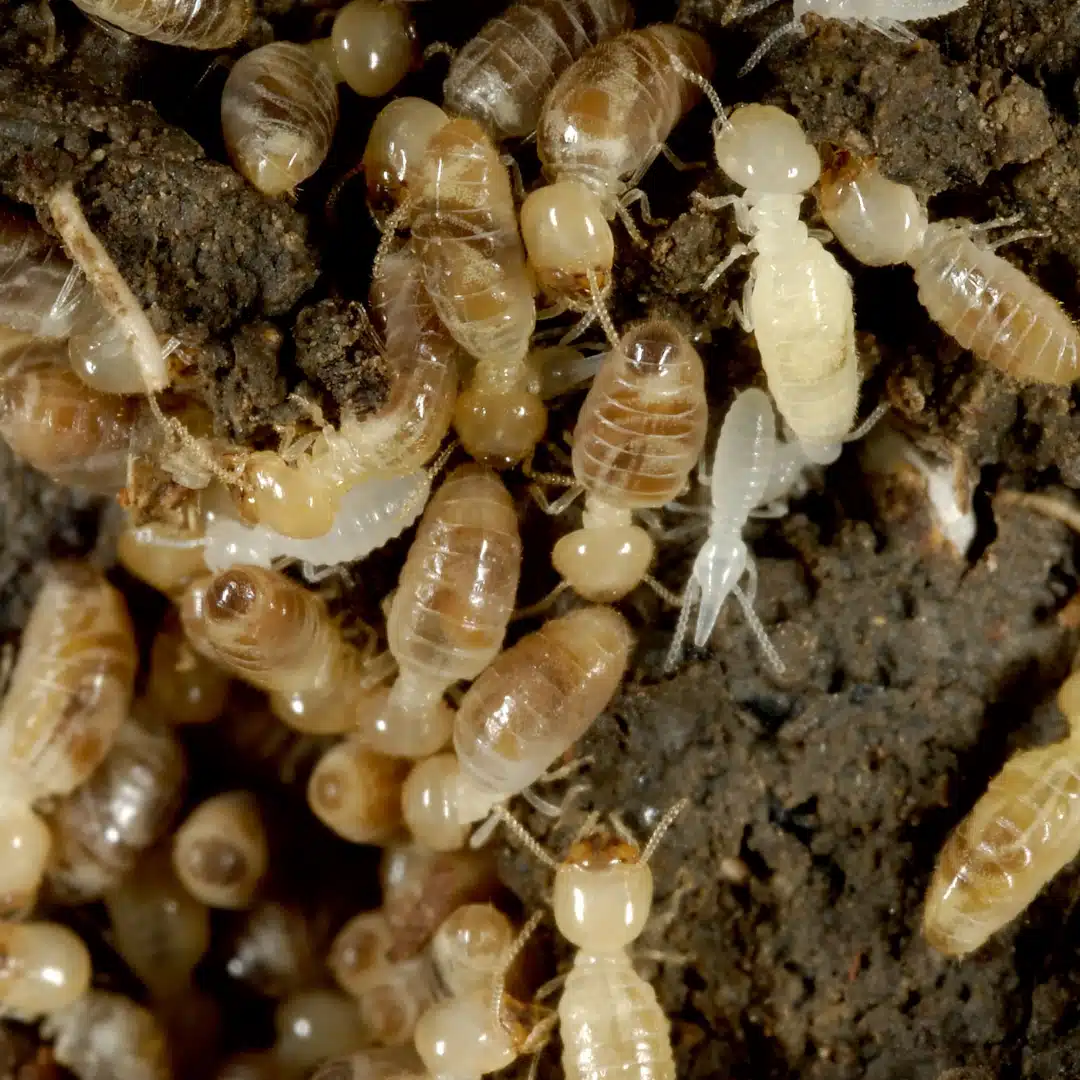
{"x":46,"y":968}
{"x":313,"y":1025}
{"x":69,"y":693}
{"x":502,"y":76}
{"x":1021,"y":832}
{"x":975,"y":296}
{"x":602,"y":126}
{"x":639,"y":433}
{"x":382,"y":1063}
{"x":182,"y":687}
{"x":167,"y":558}
{"x":220,"y":852}
{"x":469,"y":946}
{"x":396,"y":145}
{"x":193,"y":24}
{"x":798,"y":299}
{"x":275,"y":950}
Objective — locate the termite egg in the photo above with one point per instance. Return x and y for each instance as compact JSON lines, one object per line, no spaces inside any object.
{"x":194,"y":24}
{"x":45,"y":968}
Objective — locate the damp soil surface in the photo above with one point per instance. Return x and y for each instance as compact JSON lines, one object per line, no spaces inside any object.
{"x":786,"y":941}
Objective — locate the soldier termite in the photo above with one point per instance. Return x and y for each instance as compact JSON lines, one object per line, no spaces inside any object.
{"x":975,"y":296}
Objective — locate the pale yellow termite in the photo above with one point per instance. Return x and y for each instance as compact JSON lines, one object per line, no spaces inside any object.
{"x":1021,"y":832}
{"x":162,"y":556}
{"x":974,"y":295}
{"x":312,"y":1025}
{"x":46,"y":967}
{"x":194,"y":24}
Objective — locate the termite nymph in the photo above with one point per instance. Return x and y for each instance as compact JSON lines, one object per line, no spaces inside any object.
{"x":371,"y":47}
{"x":193,"y":24}
{"x":502,"y":76}
{"x":975,"y":296}
{"x":166,"y":558}
{"x":357,"y":792}
{"x":1022,"y":831}
{"x":46,"y":967}
{"x":638,"y":435}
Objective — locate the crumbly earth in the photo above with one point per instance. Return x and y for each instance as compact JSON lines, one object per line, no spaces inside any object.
{"x":789,"y":893}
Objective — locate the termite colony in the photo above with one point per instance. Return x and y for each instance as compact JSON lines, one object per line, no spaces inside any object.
{"x":412,"y":722}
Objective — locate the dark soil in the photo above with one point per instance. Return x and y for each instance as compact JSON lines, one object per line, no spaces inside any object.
{"x":819,"y":799}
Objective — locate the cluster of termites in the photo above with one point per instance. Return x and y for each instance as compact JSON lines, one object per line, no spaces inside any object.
{"x":417,"y":734}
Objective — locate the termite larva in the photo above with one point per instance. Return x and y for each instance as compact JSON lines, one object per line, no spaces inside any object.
{"x":1021,"y":832}
{"x":45,"y":968}
{"x":104,"y":1036}
{"x":454,"y":599}
{"x":220,"y":852}
{"x":533,"y":702}
{"x":469,"y":946}
{"x":102,"y":827}
{"x":190,"y":23}
{"x":503,"y":75}
{"x":603,"y":124}
{"x":429,"y":803}
{"x":359,"y":949}
{"x":798,"y":298}
{"x":975,"y":296}
{"x":464,"y":226}
{"x":313,"y":1025}
{"x":396,"y":145}
{"x":183,"y":687}
{"x":638,"y":435}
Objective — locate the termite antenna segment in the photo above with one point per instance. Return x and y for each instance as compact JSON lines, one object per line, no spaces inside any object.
{"x":498,"y":988}
{"x":528,"y":841}
{"x":795,"y":27}
{"x":662,"y":827}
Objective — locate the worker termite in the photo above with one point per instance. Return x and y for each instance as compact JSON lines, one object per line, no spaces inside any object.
{"x":46,"y":967}
{"x":220,"y":852}
{"x":974,"y":295}
{"x":638,"y":435}
{"x":502,"y":76}
{"x":798,"y":299}
{"x":69,"y":693}
{"x":102,"y":827}
{"x":396,"y":145}
{"x":429,"y":803}
{"x":1022,"y":831}
{"x":103,"y":1036}
{"x":166,"y":558}
{"x":357,"y":792}
{"x":469,"y":946}
{"x":313,"y":1025}
{"x":603,"y":124}
{"x":190,"y":23}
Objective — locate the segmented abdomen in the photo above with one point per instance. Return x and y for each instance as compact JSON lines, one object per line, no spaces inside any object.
{"x":612,"y":1026}
{"x":617,"y":103}
{"x":1019,"y":834}
{"x":502,"y":76}
{"x":195,"y":24}
{"x":803,"y":315}
{"x":459,"y":580}
{"x":995,"y":310}
{"x":538,"y":697}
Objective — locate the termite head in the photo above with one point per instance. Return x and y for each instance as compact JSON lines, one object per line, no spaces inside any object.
{"x":877,"y":220}
{"x":604,"y":563}
{"x":766,"y":150}
{"x":603,"y":894}
{"x":398,"y":140}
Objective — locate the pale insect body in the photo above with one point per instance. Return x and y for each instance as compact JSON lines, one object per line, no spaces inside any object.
{"x":46,"y":967}
{"x":1022,"y":831}
{"x":639,"y":433}
{"x":798,"y":300}
{"x":603,"y":123}
{"x":39,"y":289}
{"x":313,"y":1025}
{"x":194,"y":24}
{"x":396,"y":145}
{"x":502,"y":76}
{"x":975,"y":296}
{"x":469,"y":946}
{"x":371,"y":47}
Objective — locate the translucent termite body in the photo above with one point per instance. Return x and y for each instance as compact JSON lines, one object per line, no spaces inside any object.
{"x":469,"y":946}
{"x":396,"y":145}
{"x":638,"y":435}
{"x":69,"y":693}
{"x":603,"y":124}
{"x":975,"y":296}
{"x":798,"y":298}
{"x":193,"y":24}
{"x":1021,"y":832}
{"x":453,"y":602}
{"x":183,"y":687}
{"x":102,"y":827}
{"x":46,"y":967}
{"x":313,"y":1025}
{"x":533,"y":702}
{"x":501,"y":77}
{"x":104,"y":1036}
{"x":464,"y":227}
{"x":38,"y":289}
{"x":279,"y":109}
{"x":429,"y":804}
{"x":386,"y":1063}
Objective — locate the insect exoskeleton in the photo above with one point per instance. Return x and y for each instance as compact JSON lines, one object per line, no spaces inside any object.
{"x":313,"y":1025}
{"x":46,"y":967}
{"x":395,"y":998}
{"x":502,"y":76}
{"x":464,"y":1037}
{"x":158,"y":927}
{"x":102,"y":827}
{"x":638,"y":435}
{"x":220,"y":852}
{"x":464,"y":226}
{"x":193,"y":24}
{"x":396,"y":145}
{"x":372,"y":46}
{"x":279,"y":109}
{"x":469,"y":946}
{"x":533,"y":702}
{"x":275,"y":634}
{"x":974,"y":295}
{"x":183,"y":687}
{"x":103,"y":1036}
{"x":603,"y":124}
{"x":1021,"y":832}
{"x":798,"y":298}
{"x":450,"y":611}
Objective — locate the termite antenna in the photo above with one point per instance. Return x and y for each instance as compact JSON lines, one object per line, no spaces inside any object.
{"x":757,"y":628}
{"x":600,"y":308}
{"x":793,"y":27}
{"x":662,"y":827}
{"x":498,"y":987}
{"x":689,"y":600}
{"x":704,"y":86}
{"x":528,"y":841}
{"x":390,"y":226}
{"x":868,"y":424}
